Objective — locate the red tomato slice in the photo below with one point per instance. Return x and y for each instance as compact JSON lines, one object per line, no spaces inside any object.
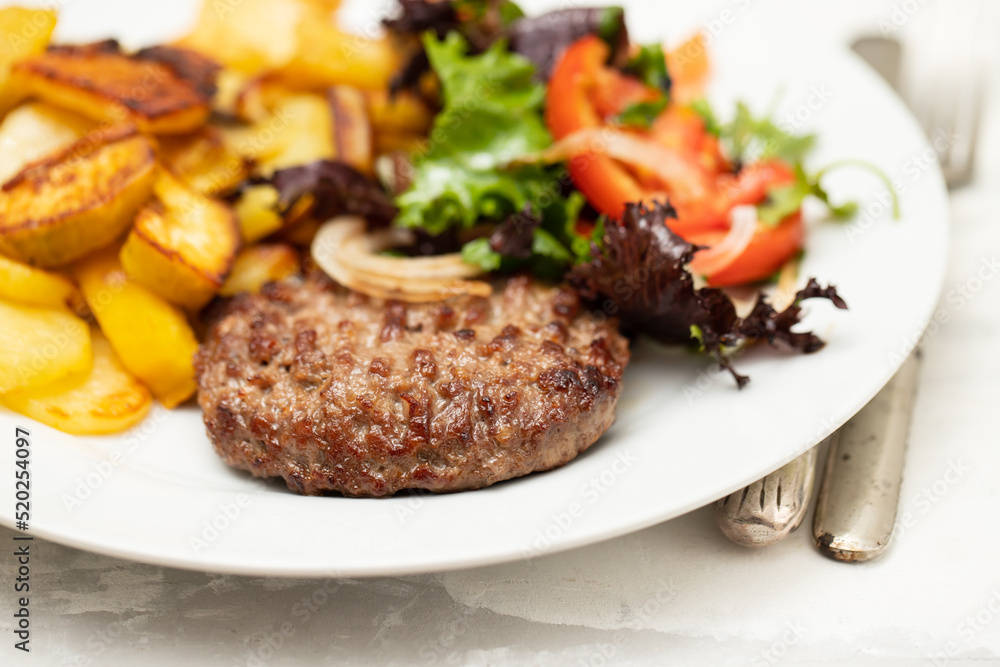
{"x":767,"y":252}
{"x":584,"y":94}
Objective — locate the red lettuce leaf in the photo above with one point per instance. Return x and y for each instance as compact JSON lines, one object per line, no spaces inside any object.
{"x":639,"y":274}
{"x":336,"y":189}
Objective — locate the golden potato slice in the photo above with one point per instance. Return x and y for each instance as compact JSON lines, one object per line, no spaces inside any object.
{"x":249,"y":35}
{"x":327,"y":56}
{"x":352,"y":128}
{"x":151,"y":337}
{"x":404,"y":113}
{"x":25,"y":284}
{"x":34,"y":131}
{"x":182,"y":245}
{"x":26,"y":32}
{"x":39,"y":346}
{"x":101,"y":82}
{"x":205,"y":161}
{"x":257,"y":213}
{"x":299,"y":131}
{"x":259,"y":97}
{"x":74,"y":202}
{"x":258,"y":265}
{"x":229,"y":84}
{"x":290,"y":128}
{"x":388,"y":142}
{"x":105,"y":400}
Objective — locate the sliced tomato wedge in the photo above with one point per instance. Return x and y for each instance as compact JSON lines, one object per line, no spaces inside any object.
{"x":768,"y":250}
{"x":585,"y":94}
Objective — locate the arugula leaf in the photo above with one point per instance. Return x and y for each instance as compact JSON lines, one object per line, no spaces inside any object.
{"x":784,"y":201}
{"x":748,"y":137}
{"x":642,"y":114}
{"x":650,"y":65}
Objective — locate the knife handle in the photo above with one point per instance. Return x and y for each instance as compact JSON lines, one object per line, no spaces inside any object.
{"x":859,"y":495}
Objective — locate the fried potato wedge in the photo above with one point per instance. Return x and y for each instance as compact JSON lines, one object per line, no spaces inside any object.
{"x":257,"y":213}
{"x":25,"y":284}
{"x":151,"y":337}
{"x":250,"y":35}
{"x":39,"y":346}
{"x":352,"y":129}
{"x":404,"y":113}
{"x":61,"y":208}
{"x":258,"y":265}
{"x":295,"y":129}
{"x":26,"y":33}
{"x":289,"y":128}
{"x":105,"y":400}
{"x":389,"y":142}
{"x":34,"y":131}
{"x":157,"y":94}
{"x":182,"y":245}
{"x":205,"y":161}
{"x":328,"y":56}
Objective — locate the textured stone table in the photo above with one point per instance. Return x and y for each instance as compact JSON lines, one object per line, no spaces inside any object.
{"x":677,"y":593}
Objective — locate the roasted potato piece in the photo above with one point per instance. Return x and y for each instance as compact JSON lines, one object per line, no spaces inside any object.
{"x":205,"y":161}
{"x":250,"y":35}
{"x":39,"y":346}
{"x":25,"y":284}
{"x":182,"y":245}
{"x":258,"y":265}
{"x":151,"y":337}
{"x":61,"y":208}
{"x":405,"y":113}
{"x":34,"y":131}
{"x":259,"y":97}
{"x":257,"y":213}
{"x":289,"y":129}
{"x":352,"y":128}
{"x":296,"y":128}
{"x":229,"y":84}
{"x":327,"y":56}
{"x":26,"y":33}
{"x":388,"y":142}
{"x":101,"y":82}
{"x":105,"y":400}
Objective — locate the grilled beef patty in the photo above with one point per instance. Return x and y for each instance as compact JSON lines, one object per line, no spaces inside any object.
{"x":334,"y":391}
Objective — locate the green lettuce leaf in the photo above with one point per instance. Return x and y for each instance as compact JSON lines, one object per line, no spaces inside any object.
{"x":492,"y":114}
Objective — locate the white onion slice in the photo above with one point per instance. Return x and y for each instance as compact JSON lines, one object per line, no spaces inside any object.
{"x":670,"y":167}
{"x":743,"y":221}
{"x":346,"y":253}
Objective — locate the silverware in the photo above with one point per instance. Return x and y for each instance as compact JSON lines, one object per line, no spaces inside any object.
{"x":859,"y":495}
{"x":860,"y":491}
{"x":948,"y":50}
{"x":771,"y":508}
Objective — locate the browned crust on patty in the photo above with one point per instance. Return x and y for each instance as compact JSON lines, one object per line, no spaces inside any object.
{"x":333,"y":391}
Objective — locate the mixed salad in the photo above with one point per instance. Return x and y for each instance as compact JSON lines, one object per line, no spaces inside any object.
{"x":562,"y":148}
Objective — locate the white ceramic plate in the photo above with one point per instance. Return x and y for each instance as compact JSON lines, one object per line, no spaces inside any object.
{"x":685,"y":436}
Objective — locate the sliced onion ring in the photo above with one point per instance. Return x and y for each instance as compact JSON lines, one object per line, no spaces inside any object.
{"x":667,"y":164}
{"x":743,"y":225}
{"x":346,"y":253}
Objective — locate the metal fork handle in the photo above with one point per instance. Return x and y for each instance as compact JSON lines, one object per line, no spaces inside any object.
{"x":768,"y":510}
{"x":859,"y":495}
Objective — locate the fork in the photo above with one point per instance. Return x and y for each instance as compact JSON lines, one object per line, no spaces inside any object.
{"x":857,"y":506}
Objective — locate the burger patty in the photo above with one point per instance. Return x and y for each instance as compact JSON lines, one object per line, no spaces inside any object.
{"x":334,"y":391}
